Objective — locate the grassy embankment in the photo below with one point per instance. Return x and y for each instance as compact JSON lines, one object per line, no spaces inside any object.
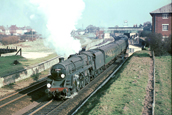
{"x":163,"y":85}
{"x":7,"y":66}
{"x":6,"y":63}
{"x":125,"y":93}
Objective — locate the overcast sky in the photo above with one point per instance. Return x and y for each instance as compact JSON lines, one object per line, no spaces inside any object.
{"x":115,"y":12}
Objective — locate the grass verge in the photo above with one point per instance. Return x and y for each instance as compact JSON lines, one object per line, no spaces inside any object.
{"x":125,"y":93}
{"x":163,"y":85}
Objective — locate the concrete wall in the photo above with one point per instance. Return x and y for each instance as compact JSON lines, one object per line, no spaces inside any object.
{"x":25,"y":73}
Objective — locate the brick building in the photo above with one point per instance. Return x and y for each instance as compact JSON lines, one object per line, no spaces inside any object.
{"x":161,"y":20}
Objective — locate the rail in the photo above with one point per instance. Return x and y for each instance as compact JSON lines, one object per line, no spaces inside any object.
{"x":9,"y":97}
{"x":41,"y":107}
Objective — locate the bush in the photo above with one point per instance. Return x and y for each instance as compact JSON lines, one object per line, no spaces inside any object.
{"x":10,"y":40}
{"x":145,"y":33}
{"x":159,"y":45}
{"x":167,"y":43}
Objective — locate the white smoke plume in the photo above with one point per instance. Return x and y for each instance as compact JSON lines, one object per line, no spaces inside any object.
{"x":61,"y":18}
{"x":54,"y":19}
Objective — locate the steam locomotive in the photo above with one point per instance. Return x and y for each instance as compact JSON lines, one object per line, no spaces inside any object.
{"x":69,"y":76}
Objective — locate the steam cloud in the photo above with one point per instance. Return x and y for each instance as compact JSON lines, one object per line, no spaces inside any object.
{"x":54,"y":19}
{"x":61,"y":18}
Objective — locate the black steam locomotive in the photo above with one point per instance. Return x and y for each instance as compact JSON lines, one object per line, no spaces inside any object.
{"x":69,"y":76}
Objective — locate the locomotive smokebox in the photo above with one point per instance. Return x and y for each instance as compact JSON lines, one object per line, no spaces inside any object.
{"x":61,"y":59}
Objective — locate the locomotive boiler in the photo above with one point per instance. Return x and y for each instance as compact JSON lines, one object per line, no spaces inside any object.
{"x":72,"y":74}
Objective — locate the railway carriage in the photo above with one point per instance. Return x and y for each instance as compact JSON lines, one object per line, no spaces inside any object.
{"x":69,"y":76}
{"x":112,"y":50}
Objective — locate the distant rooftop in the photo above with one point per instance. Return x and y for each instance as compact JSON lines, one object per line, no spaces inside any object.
{"x":164,"y":9}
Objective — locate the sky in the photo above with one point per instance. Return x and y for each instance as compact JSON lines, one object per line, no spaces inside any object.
{"x":101,"y":13}
{"x":108,"y":13}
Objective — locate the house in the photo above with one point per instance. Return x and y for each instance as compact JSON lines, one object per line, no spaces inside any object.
{"x":13,"y":29}
{"x":100,"y":34}
{"x":107,"y":35}
{"x":7,"y":31}
{"x":161,"y":20}
{"x":2,"y":30}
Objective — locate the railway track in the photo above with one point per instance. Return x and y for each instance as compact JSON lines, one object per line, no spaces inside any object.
{"x":45,"y":108}
{"x":9,"y":100}
{"x":54,"y":107}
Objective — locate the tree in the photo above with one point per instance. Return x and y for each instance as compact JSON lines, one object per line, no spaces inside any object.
{"x":92,"y":29}
{"x":145,"y":33}
{"x":10,"y":40}
{"x":147,"y":26}
{"x":140,"y":26}
{"x":158,"y":45}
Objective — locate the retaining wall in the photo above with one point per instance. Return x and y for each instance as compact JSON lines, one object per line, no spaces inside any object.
{"x":25,"y":73}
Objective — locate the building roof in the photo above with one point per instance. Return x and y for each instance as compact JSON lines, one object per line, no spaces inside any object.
{"x":164,"y":9}
{"x":13,"y":27}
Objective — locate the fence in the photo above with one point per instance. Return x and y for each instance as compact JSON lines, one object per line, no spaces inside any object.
{"x":7,"y":50}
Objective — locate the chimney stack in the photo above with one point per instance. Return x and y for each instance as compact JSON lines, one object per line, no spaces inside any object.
{"x":61,"y":59}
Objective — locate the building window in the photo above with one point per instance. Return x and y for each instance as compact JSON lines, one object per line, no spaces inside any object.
{"x":165,"y":27}
{"x":164,"y":16}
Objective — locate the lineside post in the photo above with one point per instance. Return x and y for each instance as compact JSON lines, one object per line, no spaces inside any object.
{"x":20,"y":50}
{"x":153,"y":104}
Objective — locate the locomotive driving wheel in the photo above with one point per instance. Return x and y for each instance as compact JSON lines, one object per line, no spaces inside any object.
{"x":87,"y":77}
{"x":82,"y":80}
{"x":87,"y":80}
{"x":83,"y":83}
{"x":78,"y":85}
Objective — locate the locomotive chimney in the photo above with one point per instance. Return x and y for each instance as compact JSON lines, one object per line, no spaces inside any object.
{"x":61,"y":59}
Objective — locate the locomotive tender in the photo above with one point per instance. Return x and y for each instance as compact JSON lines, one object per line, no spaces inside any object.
{"x":69,"y":76}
